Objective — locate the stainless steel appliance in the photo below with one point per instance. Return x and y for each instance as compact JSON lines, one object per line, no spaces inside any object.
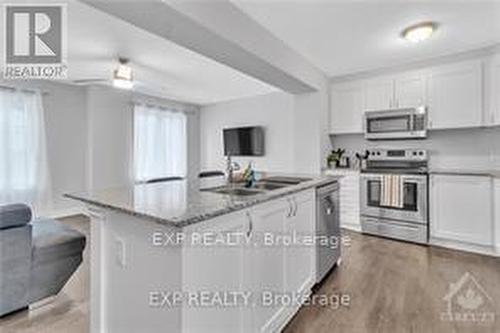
{"x":408,"y":123}
{"x":409,"y":219}
{"x":327,"y":228}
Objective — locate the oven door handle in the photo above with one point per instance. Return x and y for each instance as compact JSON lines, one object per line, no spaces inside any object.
{"x":413,"y":179}
{"x":371,"y":177}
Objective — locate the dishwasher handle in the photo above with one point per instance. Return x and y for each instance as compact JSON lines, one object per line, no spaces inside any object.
{"x":328,"y":205}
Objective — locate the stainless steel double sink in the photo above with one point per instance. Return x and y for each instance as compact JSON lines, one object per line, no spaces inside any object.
{"x":259,"y":187}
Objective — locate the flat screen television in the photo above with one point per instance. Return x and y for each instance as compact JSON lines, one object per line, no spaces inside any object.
{"x":244,"y":141}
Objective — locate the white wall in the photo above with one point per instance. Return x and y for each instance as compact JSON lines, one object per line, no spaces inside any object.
{"x":110,"y":141}
{"x":296,"y":131}
{"x":477,"y":148}
{"x":311,"y":131}
{"x":275,"y":112}
{"x":89,"y":138}
{"x":65,"y":118}
{"x":110,"y":124}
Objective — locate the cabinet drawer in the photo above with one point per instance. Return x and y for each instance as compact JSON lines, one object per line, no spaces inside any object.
{"x":398,"y":230}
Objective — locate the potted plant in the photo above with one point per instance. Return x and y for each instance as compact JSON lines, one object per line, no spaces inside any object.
{"x":334,"y":157}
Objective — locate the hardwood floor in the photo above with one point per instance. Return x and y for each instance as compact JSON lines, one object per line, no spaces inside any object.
{"x":399,"y":287}
{"x":392,"y":287}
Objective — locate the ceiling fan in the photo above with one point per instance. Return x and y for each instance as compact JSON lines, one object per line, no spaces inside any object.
{"x":122,"y":77}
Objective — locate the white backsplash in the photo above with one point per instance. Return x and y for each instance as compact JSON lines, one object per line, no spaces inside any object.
{"x":465,"y":149}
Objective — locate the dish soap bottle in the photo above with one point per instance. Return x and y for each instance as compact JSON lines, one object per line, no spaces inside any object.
{"x":249,"y":176}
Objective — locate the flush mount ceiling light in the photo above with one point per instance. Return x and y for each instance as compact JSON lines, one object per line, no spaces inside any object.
{"x":419,"y":32}
{"x":122,"y":76}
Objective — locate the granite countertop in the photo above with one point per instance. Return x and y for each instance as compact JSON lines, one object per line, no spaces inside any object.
{"x":182,"y":203}
{"x":465,"y":172}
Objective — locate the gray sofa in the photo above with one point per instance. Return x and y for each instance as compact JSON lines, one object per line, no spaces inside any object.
{"x":37,"y":257}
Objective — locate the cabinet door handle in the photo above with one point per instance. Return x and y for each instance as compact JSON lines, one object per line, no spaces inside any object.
{"x":295,"y":207}
{"x":250,"y":224}
{"x":290,"y":208}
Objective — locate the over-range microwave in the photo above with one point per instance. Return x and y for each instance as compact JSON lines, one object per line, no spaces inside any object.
{"x":407,"y":123}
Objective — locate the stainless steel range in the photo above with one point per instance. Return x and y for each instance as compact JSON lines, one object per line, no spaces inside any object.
{"x":394,"y":194}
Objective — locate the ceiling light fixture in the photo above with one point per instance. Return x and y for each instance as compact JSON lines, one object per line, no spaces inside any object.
{"x":122,"y":76}
{"x":419,"y":32}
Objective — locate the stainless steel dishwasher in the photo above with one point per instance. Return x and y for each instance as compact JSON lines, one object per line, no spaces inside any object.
{"x":327,"y":229}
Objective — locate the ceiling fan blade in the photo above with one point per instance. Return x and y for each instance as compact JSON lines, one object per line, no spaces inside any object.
{"x":89,"y":81}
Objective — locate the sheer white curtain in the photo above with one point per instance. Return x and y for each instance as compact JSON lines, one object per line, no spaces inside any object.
{"x":24,"y":175}
{"x":160,"y":143}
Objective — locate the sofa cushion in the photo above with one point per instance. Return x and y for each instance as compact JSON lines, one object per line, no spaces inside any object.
{"x":53,"y":240}
{"x":14,"y":215}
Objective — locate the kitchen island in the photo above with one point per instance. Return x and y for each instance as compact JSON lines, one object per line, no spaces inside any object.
{"x":180,"y":257}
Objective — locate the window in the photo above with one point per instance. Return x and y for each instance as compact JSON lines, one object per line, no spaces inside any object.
{"x":23,"y":165}
{"x":160,"y":143}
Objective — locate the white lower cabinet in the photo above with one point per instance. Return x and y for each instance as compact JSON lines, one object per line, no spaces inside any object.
{"x":267,"y":267}
{"x":279,"y":263}
{"x":461,"y":209}
{"x":215,"y":268}
{"x":300,"y":258}
{"x":267,"y":262}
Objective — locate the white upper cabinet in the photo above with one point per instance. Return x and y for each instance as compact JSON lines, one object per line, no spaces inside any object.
{"x":347,"y":108}
{"x":493,"y":70}
{"x":455,"y":96}
{"x":409,"y":90}
{"x":379,"y":94}
{"x":403,"y":91}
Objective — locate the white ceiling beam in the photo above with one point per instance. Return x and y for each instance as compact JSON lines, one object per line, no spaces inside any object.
{"x":222,"y":32}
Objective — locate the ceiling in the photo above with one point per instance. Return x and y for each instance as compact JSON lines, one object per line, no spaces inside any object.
{"x":342,"y":37}
{"x":162,"y":68}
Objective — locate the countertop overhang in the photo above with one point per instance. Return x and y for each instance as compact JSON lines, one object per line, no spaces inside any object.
{"x":182,"y":203}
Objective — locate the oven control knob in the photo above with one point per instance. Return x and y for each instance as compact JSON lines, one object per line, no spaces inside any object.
{"x":414,"y":153}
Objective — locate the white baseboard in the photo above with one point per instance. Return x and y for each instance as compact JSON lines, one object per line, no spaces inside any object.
{"x":352,"y":227}
{"x":283,"y":317}
{"x":450,"y":244}
{"x":467,"y":247}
